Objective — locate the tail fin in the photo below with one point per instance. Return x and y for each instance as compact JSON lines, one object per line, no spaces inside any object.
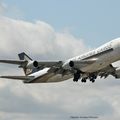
{"x":23,"y":56}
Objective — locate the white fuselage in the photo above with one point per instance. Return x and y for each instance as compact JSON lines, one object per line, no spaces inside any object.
{"x":104,"y":55}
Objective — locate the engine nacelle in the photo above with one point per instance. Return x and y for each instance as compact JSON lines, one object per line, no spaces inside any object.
{"x":74,"y":64}
{"x":117,"y":72}
{"x":32,"y":64}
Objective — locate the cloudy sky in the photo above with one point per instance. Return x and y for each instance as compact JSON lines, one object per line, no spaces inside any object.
{"x":57,"y":30}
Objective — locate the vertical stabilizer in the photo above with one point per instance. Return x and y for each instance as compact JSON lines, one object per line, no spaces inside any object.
{"x":23,"y":56}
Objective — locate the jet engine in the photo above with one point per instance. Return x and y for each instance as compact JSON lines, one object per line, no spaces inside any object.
{"x":32,"y":64}
{"x":74,"y":64}
{"x":71,"y":64}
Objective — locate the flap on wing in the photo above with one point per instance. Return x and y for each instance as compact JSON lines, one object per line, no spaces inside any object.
{"x":18,"y":77}
{"x":18,"y":62}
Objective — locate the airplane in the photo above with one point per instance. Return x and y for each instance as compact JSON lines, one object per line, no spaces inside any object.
{"x":88,"y":66}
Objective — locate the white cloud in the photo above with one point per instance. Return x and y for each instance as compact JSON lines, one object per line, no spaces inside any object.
{"x":50,"y":101}
{"x":38,"y":38}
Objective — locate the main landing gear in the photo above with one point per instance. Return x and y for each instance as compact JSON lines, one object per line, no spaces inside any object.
{"x":92,"y":78}
{"x":77,"y":76}
{"x":83,"y":80}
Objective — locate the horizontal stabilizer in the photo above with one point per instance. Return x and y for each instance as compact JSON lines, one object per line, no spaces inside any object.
{"x":18,"y":77}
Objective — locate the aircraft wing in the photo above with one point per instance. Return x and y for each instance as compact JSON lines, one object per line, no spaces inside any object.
{"x":50,"y":63}
{"x":17,"y":62}
{"x":41,"y":63}
{"x":18,"y":77}
{"x":109,"y":70}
